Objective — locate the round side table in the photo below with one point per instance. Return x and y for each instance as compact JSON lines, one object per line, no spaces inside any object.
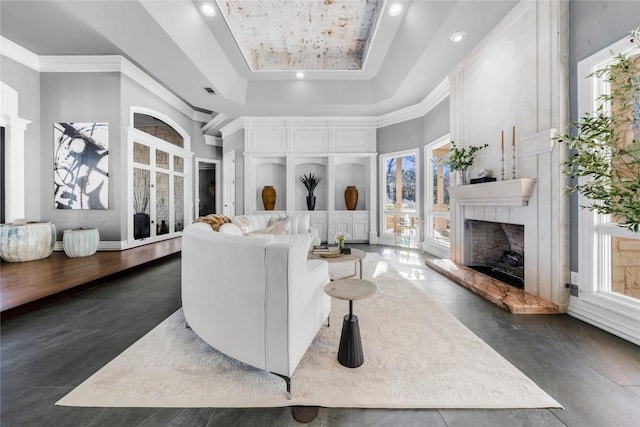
{"x":350,"y":352}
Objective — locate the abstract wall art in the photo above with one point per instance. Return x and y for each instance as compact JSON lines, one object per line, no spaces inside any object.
{"x":81,"y":165}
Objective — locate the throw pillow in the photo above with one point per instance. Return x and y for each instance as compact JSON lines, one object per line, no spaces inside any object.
{"x":278,"y":226}
{"x":243,"y":222}
{"x":293,"y":223}
{"x":231,"y":229}
{"x":304,"y":223}
{"x":215,"y":221}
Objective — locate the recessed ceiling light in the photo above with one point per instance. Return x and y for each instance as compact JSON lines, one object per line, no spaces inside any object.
{"x":300,"y":75}
{"x":208,"y":10}
{"x":458,"y":36}
{"x":395,"y":9}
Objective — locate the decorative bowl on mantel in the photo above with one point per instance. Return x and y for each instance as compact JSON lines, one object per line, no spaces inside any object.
{"x":511,"y":192}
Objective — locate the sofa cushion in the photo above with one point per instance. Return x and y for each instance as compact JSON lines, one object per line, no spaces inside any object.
{"x":231,"y":229}
{"x":279,"y":226}
{"x":304,"y":223}
{"x":243,"y":222}
{"x":293,"y":223}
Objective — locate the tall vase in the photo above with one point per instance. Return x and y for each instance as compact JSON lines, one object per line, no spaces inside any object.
{"x":463,"y":176}
{"x":269,"y":197}
{"x":311,"y":202}
{"x":351,"y":197}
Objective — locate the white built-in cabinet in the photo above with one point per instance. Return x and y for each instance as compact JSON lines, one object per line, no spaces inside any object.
{"x":343,"y":152}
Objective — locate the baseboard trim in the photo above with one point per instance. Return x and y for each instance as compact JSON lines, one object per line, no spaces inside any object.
{"x":106,"y":245}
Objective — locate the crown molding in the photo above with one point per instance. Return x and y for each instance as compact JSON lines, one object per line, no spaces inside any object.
{"x":232,"y":127}
{"x":435,"y":97}
{"x":97,"y":64}
{"x":216,"y":141}
{"x":19,"y":54}
{"x":216,"y":123}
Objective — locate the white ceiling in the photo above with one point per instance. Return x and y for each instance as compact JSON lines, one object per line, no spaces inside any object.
{"x":185,"y":51}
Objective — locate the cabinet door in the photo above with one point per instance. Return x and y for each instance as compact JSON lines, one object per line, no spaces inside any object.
{"x":360,"y":229}
{"x":344,"y":225}
{"x":321,"y":225}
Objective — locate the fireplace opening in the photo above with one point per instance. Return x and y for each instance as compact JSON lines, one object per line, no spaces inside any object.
{"x":497,"y":250}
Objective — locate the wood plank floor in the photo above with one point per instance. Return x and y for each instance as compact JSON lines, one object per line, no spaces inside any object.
{"x":25,"y":282}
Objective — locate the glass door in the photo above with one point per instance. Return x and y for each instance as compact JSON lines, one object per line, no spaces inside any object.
{"x":159,"y":196}
{"x":400,"y":189}
{"x":437,"y":181}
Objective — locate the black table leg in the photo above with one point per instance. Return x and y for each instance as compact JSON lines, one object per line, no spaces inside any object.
{"x":350,"y":351}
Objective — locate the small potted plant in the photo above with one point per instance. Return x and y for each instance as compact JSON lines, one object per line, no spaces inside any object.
{"x":460,"y":159}
{"x":340,"y":237}
{"x":310,"y":182}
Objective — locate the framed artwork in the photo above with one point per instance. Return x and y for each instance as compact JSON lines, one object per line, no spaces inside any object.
{"x":81,"y":165}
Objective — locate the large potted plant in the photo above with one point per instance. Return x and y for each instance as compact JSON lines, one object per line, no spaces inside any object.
{"x":605,"y":147}
{"x":460,"y":160}
{"x":310,"y":182}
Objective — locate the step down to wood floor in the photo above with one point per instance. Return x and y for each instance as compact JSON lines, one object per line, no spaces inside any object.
{"x":512,"y":299}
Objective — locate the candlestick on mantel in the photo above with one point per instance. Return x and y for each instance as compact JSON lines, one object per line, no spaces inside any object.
{"x":502,"y":152}
{"x":513,"y":153}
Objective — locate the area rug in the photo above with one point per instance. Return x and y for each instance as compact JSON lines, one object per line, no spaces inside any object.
{"x":416,"y":356}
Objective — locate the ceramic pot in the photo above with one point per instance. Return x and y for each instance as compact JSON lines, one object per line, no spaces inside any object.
{"x":27,"y":242}
{"x":351,"y":197}
{"x":80,"y":242}
{"x":269,"y":197}
{"x":141,"y":226}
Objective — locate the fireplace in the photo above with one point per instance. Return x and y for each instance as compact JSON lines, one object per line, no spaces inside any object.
{"x":497,"y":250}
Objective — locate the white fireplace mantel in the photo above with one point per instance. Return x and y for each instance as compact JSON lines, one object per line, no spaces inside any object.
{"x":512,"y":192}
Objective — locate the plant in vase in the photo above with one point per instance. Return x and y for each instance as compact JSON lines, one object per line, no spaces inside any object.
{"x":605,"y":151}
{"x":460,"y":159}
{"x":310,"y":182}
{"x":340,"y":237}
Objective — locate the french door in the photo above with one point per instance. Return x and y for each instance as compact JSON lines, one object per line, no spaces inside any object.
{"x":158,"y":186}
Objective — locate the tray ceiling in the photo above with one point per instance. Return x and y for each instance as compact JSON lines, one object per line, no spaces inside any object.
{"x":302,"y":35}
{"x":358,"y":60}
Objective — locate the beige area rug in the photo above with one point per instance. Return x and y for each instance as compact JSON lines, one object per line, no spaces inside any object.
{"x":416,"y":356}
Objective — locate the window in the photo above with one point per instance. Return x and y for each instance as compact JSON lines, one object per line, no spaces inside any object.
{"x":607,"y":254}
{"x":400,"y":189}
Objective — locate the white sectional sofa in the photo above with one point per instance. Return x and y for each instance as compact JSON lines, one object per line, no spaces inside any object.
{"x":253,"y":298}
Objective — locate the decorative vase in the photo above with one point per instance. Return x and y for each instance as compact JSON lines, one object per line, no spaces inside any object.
{"x":463,"y":176}
{"x":351,"y":197}
{"x":341,"y":245}
{"x":141,"y":225}
{"x":269,"y":197}
{"x":27,"y":242}
{"x":311,"y":202}
{"x":80,"y":242}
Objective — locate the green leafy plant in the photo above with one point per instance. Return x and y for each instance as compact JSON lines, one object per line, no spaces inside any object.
{"x":605,"y":147}
{"x":460,"y":158}
{"x":310,"y":181}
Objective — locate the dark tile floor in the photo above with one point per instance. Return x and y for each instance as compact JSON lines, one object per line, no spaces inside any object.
{"x":45,"y":353}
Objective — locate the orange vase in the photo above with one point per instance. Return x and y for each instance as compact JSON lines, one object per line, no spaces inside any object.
{"x":269,"y":197}
{"x":351,"y":197}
